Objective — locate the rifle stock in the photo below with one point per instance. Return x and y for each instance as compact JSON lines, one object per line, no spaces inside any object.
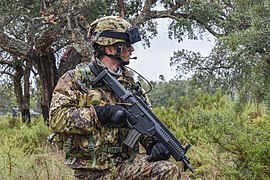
{"x":146,"y":121}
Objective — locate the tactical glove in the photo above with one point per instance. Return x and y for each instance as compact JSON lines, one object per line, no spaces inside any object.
{"x":158,"y":152}
{"x":111,"y":114}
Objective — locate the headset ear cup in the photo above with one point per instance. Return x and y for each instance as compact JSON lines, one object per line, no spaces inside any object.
{"x":119,"y":48}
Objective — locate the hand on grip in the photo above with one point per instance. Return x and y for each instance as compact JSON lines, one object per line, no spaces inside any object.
{"x":158,"y":152}
{"x":111,"y":114}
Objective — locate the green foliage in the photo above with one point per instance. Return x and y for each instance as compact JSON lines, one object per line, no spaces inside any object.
{"x":25,"y":154}
{"x":32,"y":5}
{"x":7,"y":98}
{"x":148,"y":31}
{"x":98,"y":9}
{"x":253,"y":44}
{"x":239,"y":62}
{"x":253,"y":36}
{"x":226,"y":144}
{"x":208,"y":15}
{"x":166,"y":93}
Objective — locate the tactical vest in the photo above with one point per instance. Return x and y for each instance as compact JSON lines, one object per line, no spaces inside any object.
{"x":77,"y":146}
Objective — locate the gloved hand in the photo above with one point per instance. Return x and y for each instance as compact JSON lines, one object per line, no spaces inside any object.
{"x":111,"y":114}
{"x":158,"y":152}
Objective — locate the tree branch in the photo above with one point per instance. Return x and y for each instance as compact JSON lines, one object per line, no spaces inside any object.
{"x":144,"y":16}
{"x":13,"y":46}
{"x":6,"y":72}
{"x":147,"y":5}
{"x":199,"y":21}
{"x":213,"y":68}
{"x":6,"y":62}
{"x":147,"y":14}
{"x":5,"y":20}
{"x":121,"y":8}
{"x":47,"y":39}
{"x":172,"y":13}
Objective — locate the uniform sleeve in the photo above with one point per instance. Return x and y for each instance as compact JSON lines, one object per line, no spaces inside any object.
{"x":71,"y":111}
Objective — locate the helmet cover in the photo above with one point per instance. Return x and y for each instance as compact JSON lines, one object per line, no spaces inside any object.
{"x":108,"y":24}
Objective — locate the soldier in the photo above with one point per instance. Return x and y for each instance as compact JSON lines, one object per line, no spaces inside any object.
{"x":85,"y":120}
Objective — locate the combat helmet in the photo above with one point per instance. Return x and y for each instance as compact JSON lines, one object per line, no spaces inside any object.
{"x":113,"y":29}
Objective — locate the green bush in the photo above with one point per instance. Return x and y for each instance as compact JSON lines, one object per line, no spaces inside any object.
{"x":226,"y":143}
{"x":25,"y":154}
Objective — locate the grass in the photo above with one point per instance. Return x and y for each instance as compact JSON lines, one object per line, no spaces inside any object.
{"x":225,"y":144}
{"x":25,"y":153}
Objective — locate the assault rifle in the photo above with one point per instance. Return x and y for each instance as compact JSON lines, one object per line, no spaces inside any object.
{"x":145,"y":120}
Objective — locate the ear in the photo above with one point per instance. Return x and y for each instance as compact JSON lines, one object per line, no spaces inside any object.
{"x":110,"y":50}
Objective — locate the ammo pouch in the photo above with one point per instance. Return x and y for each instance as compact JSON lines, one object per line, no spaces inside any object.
{"x":75,"y":148}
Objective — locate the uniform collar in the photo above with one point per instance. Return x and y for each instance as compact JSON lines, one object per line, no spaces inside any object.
{"x":119,"y":71}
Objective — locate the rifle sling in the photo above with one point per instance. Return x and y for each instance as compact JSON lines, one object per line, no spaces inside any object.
{"x":94,"y":69}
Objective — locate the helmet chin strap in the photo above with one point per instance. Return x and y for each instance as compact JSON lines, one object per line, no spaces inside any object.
{"x":117,"y":56}
{"x":122,"y":62}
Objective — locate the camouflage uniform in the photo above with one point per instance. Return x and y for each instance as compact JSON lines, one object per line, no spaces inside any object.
{"x":93,"y":150}
{"x":139,"y":168}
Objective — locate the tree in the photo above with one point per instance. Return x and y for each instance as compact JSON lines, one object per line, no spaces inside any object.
{"x":166,"y":94}
{"x":38,"y":32}
{"x":28,"y":33}
{"x":7,"y":98}
{"x":240,"y":60}
{"x":21,"y":90}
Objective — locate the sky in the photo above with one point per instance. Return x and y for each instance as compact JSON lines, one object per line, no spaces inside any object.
{"x":154,"y":61}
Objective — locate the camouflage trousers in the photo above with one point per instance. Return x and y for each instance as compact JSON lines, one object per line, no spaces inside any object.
{"x":139,"y":168}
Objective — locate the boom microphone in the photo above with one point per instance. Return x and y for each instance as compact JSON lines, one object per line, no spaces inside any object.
{"x":133,"y":58}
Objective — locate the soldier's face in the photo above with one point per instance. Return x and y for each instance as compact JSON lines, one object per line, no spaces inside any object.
{"x":126,"y":52}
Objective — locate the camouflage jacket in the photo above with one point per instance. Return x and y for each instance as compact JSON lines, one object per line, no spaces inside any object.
{"x":73,"y":117}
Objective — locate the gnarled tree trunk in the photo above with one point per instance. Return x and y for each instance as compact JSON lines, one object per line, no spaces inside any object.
{"x":45,"y":63}
{"x":22,"y":96}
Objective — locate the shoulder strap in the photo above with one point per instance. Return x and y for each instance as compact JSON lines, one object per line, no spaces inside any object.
{"x":84,"y":82}
{"x":94,"y":69}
